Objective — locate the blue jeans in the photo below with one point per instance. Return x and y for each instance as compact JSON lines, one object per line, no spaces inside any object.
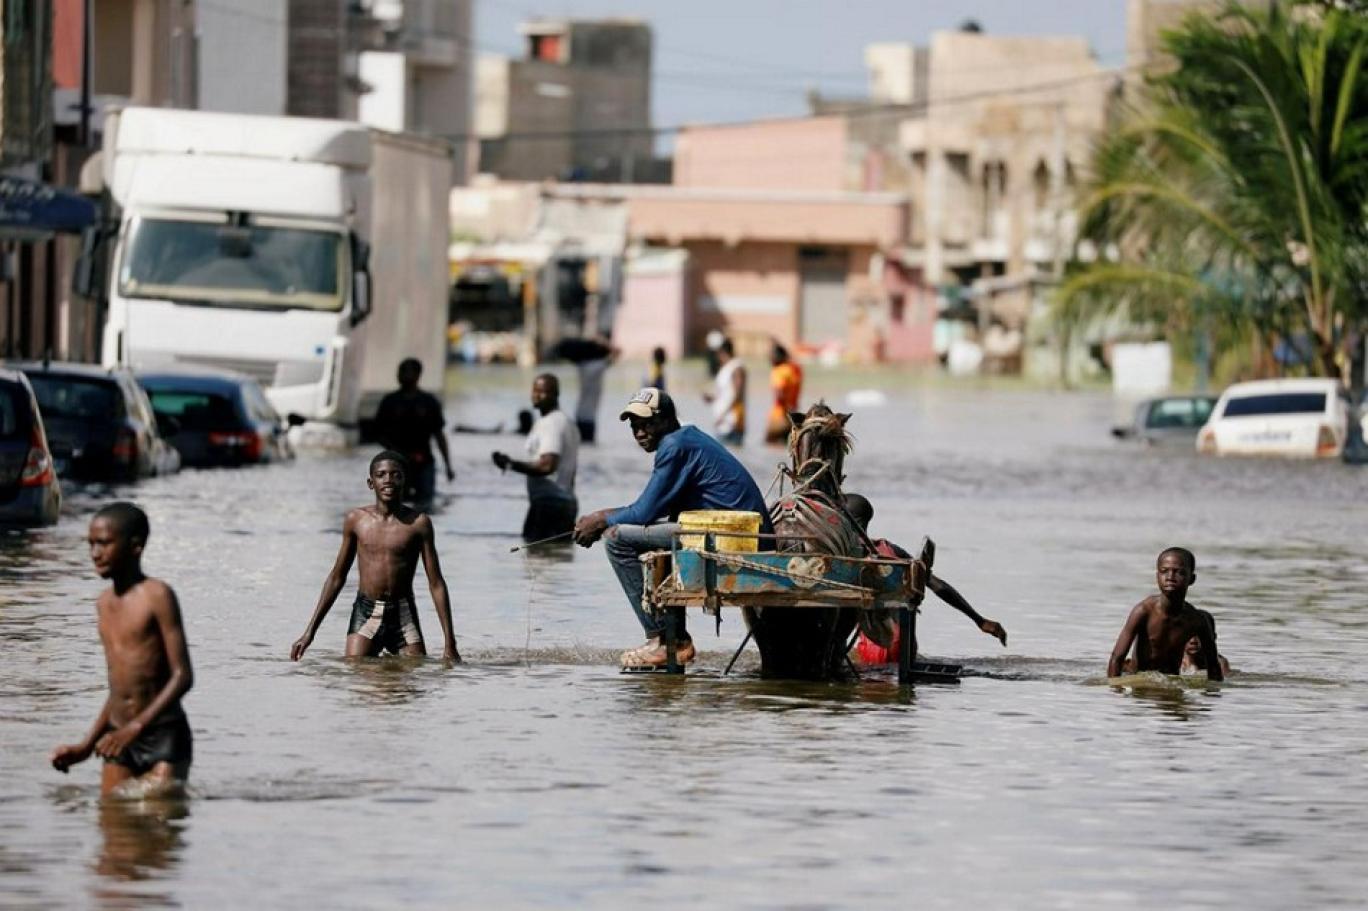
{"x":625,"y":544}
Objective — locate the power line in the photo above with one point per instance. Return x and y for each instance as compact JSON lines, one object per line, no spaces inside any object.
{"x":852,"y":77}
{"x":846,"y":75}
{"x":906,"y":110}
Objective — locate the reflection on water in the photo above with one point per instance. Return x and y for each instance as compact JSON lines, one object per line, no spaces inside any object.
{"x":535,"y":775}
{"x":140,"y":839}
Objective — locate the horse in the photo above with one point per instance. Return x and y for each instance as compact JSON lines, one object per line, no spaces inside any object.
{"x":810,"y":643}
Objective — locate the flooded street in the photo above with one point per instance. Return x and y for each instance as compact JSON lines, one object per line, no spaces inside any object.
{"x":536,"y":776}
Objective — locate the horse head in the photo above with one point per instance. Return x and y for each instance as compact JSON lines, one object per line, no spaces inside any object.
{"x":818,"y":444}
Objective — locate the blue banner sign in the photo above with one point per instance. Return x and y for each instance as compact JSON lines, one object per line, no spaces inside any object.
{"x":31,"y":208}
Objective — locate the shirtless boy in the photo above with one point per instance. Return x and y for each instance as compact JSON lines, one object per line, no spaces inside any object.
{"x":389,"y":538}
{"x":1160,"y":626}
{"x":141,"y":733}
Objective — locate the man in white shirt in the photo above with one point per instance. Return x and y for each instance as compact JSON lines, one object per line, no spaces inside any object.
{"x":728,"y":397}
{"x":552,"y":455}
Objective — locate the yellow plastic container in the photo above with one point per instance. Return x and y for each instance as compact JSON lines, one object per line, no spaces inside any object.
{"x":723,"y":520}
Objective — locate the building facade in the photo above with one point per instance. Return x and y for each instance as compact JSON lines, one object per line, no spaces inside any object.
{"x":228,"y":34}
{"x":417,"y":76}
{"x":577,"y":106}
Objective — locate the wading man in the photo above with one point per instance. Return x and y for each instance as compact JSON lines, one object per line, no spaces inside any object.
{"x":552,"y":453}
{"x":407,"y":422}
{"x":692,"y":471}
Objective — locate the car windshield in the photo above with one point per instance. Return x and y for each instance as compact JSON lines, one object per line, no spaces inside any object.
{"x":1275,"y":403}
{"x":75,"y":397}
{"x":10,"y":411}
{"x":195,"y":410}
{"x":227,"y":265}
{"x":1178,"y":413}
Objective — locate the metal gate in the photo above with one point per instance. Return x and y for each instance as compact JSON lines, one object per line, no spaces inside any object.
{"x":823,"y":308}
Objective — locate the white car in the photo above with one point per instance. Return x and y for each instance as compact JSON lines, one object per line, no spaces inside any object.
{"x":1301,"y":418}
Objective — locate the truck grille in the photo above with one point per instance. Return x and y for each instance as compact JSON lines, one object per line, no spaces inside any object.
{"x":267,"y":373}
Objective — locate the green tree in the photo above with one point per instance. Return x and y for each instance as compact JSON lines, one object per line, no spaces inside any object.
{"x":1234,"y":196}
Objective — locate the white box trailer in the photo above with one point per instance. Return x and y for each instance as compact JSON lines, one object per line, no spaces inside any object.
{"x":310,"y":254}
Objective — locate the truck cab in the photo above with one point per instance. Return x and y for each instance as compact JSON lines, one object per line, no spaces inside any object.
{"x":243,"y":242}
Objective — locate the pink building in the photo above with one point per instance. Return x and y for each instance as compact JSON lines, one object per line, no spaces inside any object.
{"x":777,"y":247}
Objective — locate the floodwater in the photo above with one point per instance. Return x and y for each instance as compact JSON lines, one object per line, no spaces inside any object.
{"x":535,"y":776}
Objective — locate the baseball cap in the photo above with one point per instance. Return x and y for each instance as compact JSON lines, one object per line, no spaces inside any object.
{"x":648,"y":402}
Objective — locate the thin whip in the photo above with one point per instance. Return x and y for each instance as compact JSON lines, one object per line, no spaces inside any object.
{"x":561,"y":536}
{"x":531,"y":593}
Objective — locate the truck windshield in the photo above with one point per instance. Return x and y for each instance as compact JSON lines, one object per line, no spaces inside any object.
{"x":227,"y":265}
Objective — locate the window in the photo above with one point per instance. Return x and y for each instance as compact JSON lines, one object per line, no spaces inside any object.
{"x":1276,"y":403}
{"x":1178,"y":413}
{"x":10,"y":411}
{"x":258,"y":406}
{"x":76,"y":397}
{"x":232,"y":266}
{"x":195,"y":410}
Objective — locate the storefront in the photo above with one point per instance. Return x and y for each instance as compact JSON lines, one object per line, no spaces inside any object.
{"x":35,"y":218}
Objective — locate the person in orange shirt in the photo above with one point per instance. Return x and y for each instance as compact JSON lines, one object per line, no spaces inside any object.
{"x":786,"y":378}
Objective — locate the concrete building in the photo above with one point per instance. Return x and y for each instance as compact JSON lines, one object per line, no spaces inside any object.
{"x":787,"y":239}
{"x":996,"y":156}
{"x":144,"y":51}
{"x":229,"y":34}
{"x":1146,"y":20}
{"x":26,"y":260}
{"x":802,"y":267}
{"x":1009,"y":123}
{"x":322,"y":43}
{"x":577,"y":106}
{"x":418,"y":77}
{"x":946,"y":193}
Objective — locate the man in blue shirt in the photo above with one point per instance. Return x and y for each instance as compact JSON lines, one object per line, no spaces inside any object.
{"x":692,"y":471}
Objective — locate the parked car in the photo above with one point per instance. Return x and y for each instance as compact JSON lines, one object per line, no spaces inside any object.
{"x":1168,"y":420}
{"x":221,"y":417}
{"x":30,"y":493}
{"x":1305,"y":418}
{"x":99,"y":422}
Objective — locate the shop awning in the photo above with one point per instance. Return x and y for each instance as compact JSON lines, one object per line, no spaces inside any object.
{"x":32,"y":210}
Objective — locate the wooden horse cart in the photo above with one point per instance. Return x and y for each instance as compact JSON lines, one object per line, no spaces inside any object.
{"x":713,"y":578}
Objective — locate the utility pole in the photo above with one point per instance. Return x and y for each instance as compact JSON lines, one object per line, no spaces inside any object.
{"x":87,"y":64}
{"x":1058,"y":165}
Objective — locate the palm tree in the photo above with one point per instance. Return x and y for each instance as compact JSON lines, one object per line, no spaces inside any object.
{"x":1234,"y":197}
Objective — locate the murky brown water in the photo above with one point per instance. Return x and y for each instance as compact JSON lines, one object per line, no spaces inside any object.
{"x":536,"y":776}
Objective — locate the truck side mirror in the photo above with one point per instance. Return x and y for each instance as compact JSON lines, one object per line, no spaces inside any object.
{"x":361,"y":280}
{"x":87,"y":274}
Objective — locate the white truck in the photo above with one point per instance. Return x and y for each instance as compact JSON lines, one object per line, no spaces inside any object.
{"x":309,"y":254}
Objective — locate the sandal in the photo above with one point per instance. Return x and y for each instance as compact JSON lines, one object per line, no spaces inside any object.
{"x":652,"y":655}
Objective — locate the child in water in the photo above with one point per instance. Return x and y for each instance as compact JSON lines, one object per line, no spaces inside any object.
{"x":141,"y":732}
{"x":870,"y":652}
{"x":1161,"y":626}
{"x":389,"y":538}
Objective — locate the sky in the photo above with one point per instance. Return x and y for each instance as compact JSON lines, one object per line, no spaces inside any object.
{"x":727,"y":60}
